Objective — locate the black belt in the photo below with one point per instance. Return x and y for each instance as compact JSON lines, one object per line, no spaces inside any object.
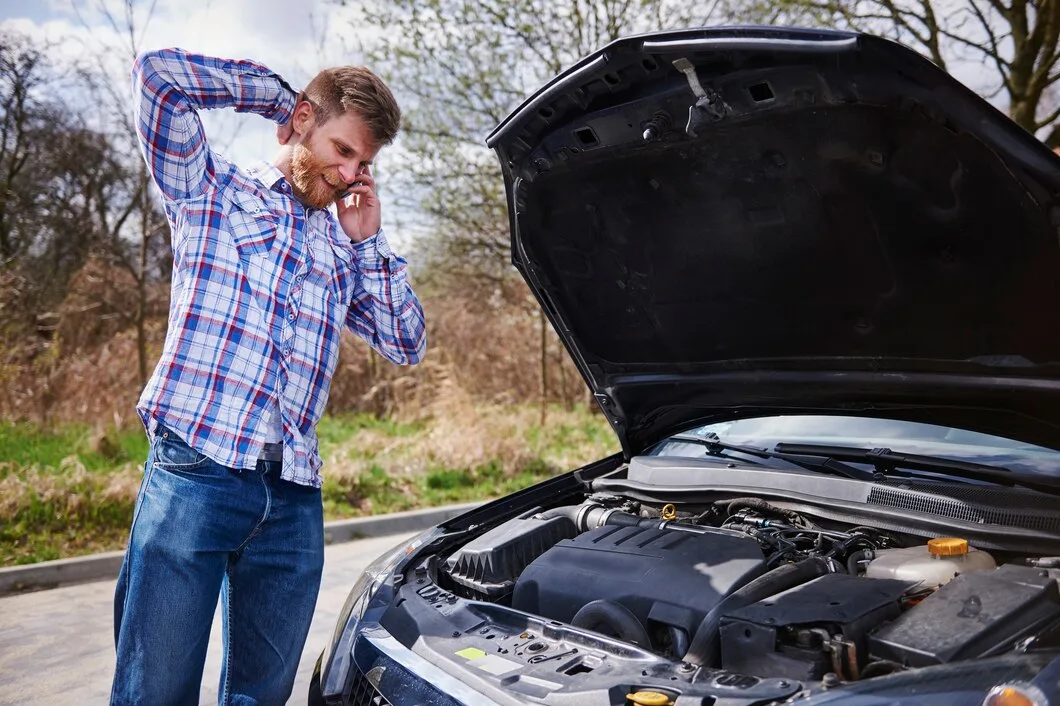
{"x":272,"y":452}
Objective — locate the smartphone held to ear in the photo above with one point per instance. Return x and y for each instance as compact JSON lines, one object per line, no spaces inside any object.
{"x":349,"y":190}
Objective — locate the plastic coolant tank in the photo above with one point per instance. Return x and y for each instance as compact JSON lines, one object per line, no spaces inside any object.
{"x":932,"y":564}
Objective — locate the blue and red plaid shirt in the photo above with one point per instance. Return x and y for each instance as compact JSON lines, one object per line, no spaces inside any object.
{"x":262,"y":285}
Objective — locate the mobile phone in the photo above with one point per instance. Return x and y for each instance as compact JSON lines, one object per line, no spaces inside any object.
{"x":351,"y":187}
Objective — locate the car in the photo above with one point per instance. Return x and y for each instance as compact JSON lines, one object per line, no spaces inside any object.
{"x":813,"y":283}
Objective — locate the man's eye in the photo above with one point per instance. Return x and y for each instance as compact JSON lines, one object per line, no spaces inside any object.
{"x":344,"y":151}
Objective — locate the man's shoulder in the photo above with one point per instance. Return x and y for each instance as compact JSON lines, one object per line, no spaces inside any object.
{"x":234,"y":178}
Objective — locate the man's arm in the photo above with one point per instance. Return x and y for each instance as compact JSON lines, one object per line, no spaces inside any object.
{"x":169,"y":85}
{"x":385,"y":311}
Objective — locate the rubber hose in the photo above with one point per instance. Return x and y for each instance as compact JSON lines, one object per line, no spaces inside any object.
{"x":679,"y":640}
{"x":1045,"y":562}
{"x":615,"y":616}
{"x":568,"y":511}
{"x":706,"y":642}
{"x":590,"y":515}
{"x":856,"y":558}
{"x":731,"y":506}
{"x":880,"y":668}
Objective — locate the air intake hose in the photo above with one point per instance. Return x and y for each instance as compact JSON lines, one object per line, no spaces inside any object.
{"x":706,"y":644}
{"x":589,"y":516}
{"x":615,"y":616}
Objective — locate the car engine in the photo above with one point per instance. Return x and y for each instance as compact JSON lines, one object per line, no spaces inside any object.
{"x":755,"y":589}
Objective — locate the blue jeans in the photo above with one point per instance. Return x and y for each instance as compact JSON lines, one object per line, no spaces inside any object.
{"x":201,"y":530}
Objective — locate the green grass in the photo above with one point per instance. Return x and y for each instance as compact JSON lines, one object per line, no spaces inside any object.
{"x":333,"y":431}
{"x":66,"y":491}
{"x":25,"y":445}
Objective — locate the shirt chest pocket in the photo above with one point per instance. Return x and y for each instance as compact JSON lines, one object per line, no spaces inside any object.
{"x":251,"y":223}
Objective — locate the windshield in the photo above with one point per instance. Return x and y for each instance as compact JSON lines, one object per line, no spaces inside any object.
{"x":863,"y":432}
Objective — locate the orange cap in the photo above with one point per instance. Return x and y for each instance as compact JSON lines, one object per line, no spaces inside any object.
{"x":948,"y":546}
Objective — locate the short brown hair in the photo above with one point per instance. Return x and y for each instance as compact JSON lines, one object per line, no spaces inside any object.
{"x":340,"y":89}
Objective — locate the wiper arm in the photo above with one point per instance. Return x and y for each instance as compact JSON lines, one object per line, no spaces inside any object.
{"x":715,"y":448}
{"x":811,"y":462}
{"x":884,"y":459}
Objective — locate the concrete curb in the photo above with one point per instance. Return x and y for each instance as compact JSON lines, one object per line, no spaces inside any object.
{"x":97,"y":567}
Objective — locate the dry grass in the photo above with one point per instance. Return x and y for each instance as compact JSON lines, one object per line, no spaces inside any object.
{"x":487,"y":346}
{"x":54,"y":513}
{"x":465,"y":424}
{"x":467,"y":436}
{"x":469,"y":451}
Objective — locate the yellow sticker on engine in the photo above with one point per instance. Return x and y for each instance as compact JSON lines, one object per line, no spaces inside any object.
{"x":471,"y":653}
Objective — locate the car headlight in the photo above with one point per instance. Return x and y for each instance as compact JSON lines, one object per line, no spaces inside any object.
{"x":335,"y":662}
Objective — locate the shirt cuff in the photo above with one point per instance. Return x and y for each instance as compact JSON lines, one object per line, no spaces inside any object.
{"x":285,"y":103}
{"x":373,"y":252}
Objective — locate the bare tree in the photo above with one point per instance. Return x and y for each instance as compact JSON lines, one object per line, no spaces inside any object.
{"x":22,"y":70}
{"x":53,"y":174}
{"x":461,"y":67}
{"x":1015,"y":45}
{"x":128,"y":214}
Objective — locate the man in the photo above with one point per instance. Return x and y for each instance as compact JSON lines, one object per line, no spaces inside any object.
{"x":264,"y":279}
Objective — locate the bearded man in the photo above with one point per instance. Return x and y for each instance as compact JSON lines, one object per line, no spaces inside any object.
{"x":265,"y":277}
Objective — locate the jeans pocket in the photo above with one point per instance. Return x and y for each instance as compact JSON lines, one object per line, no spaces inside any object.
{"x":171,"y":453}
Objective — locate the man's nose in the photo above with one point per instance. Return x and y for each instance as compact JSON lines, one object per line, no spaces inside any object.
{"x":348,"y":173}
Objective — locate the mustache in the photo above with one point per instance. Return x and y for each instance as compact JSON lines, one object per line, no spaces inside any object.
{"x":335,"y":180}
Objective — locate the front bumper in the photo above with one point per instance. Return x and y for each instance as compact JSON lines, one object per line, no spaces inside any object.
{"x":385,"y":672}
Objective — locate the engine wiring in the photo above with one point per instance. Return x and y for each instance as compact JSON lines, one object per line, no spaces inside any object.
{"x":786,"y":536}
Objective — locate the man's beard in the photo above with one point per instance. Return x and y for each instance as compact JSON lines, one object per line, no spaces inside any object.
{"x":308,"y":175}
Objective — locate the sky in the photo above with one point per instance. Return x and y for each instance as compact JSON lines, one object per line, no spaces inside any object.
{"x":292,"y":37}
{"x":267,"y":31}
{"x":294,"y":43}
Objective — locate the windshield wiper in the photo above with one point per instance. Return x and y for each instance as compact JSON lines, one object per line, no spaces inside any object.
{"x":887,"y":461}
{"x":813,"y":462}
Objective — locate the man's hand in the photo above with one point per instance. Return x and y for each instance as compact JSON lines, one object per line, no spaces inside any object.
{"x":284,"y":132}
{"x":359,"y":213}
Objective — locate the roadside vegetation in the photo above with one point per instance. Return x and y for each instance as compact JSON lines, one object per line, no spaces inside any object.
{"x":70,"y":491}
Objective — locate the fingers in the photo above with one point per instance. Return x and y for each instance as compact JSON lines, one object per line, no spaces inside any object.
{"x":365,"y":179}
{"x":355,"y":198}
{"x":363,"y":189}
{"x":283,"y":133}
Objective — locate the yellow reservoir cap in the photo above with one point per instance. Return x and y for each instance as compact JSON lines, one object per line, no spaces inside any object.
{"x":649,"y":698}
{"x":948,"y":546}
{"x":1013,"y":695}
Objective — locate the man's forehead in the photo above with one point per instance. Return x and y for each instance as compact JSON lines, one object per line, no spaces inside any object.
{"x":349,"y":128}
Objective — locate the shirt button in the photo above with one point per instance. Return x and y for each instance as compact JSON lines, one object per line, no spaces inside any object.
{"x":290,"y":317}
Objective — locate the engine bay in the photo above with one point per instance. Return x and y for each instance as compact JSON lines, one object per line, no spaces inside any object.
{"x":744,"y":588}
{"x":748,"y":587}
{"x":601,"y":595}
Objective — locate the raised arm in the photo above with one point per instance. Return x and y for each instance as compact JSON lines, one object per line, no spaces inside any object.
{"x":170,"y":85}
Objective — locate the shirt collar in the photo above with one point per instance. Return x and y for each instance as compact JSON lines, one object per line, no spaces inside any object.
{"x":270,"y":175}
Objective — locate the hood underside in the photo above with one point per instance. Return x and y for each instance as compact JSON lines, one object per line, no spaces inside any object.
{"x":731,"y":222}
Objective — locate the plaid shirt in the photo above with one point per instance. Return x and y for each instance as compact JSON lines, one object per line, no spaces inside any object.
{"x":262,"y":285}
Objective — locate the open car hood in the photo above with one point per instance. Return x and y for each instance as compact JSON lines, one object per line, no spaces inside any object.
{"x":733,"y":222}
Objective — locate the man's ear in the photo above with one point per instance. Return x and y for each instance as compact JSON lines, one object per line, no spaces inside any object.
{"x":303,"y":117}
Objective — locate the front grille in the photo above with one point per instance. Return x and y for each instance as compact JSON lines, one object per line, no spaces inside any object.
{"x":362,"y":693}
{"x":1007,"y":507}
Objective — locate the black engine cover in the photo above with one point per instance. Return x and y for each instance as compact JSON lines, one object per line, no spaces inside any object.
{"x":665,"y":577}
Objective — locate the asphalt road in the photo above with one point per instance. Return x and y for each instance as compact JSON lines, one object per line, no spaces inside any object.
{"x":57,"y":646}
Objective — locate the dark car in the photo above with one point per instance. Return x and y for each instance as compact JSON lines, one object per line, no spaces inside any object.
{"x":814,"y":285}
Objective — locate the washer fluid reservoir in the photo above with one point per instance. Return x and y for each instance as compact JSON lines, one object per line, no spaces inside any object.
{"x":931,"y":564}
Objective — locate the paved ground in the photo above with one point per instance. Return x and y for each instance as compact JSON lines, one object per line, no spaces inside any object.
{"x":57,"y":646}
